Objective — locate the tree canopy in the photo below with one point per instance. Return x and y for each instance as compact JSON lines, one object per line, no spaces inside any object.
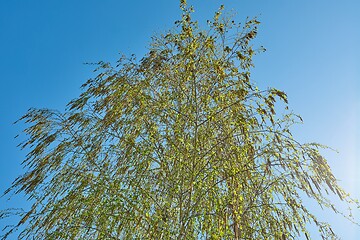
{"x":180,"y":144}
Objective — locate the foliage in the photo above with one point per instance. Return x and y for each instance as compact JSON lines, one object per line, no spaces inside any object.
{"x":180,"y":144}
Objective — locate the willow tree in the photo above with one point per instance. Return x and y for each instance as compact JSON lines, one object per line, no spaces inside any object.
{"x":178,"y":145}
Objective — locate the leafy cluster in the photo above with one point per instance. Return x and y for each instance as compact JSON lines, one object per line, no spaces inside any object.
{"x":178,"y":145}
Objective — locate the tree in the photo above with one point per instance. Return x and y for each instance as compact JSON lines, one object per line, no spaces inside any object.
{"x":180,"y":144}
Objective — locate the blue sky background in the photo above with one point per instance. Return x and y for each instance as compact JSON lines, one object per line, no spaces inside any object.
{"x":313,"y":54}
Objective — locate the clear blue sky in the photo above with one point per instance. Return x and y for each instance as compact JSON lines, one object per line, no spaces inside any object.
{"x":313,"y":54}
